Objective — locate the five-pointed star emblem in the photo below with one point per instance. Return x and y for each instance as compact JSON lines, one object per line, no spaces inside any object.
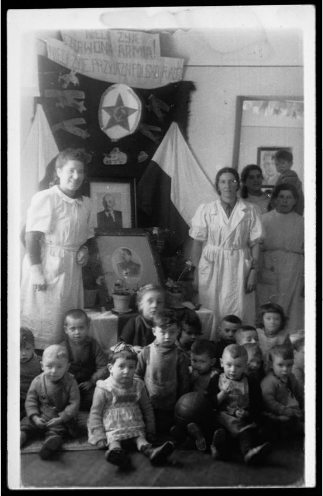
{"x":119,"y":114}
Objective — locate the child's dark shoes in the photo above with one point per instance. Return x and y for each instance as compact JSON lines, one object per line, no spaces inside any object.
{"x":196,"y":433}
{"x":158,"y":456}
{"x":256,"y":455}
{"x":218,"y":444}
{"x":116,"y":456}
{"x":51,"y":444}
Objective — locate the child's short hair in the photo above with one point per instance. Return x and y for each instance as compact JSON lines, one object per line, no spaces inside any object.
{"x":280,"y":350}
{"x":283,"y":155}
{"x":233,"y":319}
{"x":253,"y":351}
{"x":77,"y":313}
{"x":166,"y":318}
{"x":57,"y":350}
{"x":201,"y":346}
{"x":236,"y":351}
{"x":146,"y":289}
{"x":191,"y":319}
{"x":123,"y":350}
{"x":26,"y":337}
{"x":245,"y":328}
{"x":272,"y":308}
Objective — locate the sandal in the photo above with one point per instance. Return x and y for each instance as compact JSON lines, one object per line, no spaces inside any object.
{"x":116,"y":456}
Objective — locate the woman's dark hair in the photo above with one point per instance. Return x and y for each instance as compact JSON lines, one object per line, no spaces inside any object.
{"x":232,"y":171}
{"x":272,"y":308}
{"x":284,"y":187}
{"x":71,"y":154}
{"x":244,"y":176}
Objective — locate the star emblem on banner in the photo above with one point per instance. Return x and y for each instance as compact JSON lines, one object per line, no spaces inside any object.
{"x":119,"y":114}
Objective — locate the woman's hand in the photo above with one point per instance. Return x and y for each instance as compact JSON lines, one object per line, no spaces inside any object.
{"x":252,"y":280}
{"x":37,"y":277}
{"x":82,"y":256}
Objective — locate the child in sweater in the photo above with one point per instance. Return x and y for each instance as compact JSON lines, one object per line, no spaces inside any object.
{"x":227,"y":332}
{"x":204,"y":380}
{"x":163,"y":367}
{"x":138,"y":330}
{"x":282,"y":394}
{"x":88,"y":362}
{"x":240,"y":404}
{"x":29,"y":365}
{"x":271,"y":329}
{"x":190,"y":329}
{"x":121,"y":410}
{"x":52,"y":402}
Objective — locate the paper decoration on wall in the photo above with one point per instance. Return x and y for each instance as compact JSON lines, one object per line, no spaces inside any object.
{"x":157,"y":105}
{"x":69,"y":78}
{"x":279,"y":108}
{"x":119,"y":111}
{"x":146,"y":129}
{"x":115,"y":157}
{"x":70,"y":127}
{"x":142,"y":157}
{"x":68,"y":98}
{"x":126,"y":57}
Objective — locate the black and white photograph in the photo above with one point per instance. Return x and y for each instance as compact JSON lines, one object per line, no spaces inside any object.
{"x":162,"y":284}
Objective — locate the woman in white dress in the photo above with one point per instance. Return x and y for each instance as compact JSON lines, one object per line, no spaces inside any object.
{"x":59,"y":223}
{"x":281,"y":275}
{"x":225,"y":250}
{"x":252,"y":179}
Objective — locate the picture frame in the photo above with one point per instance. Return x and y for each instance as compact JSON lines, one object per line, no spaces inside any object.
{"x":266,"y":163}
{"x":130,"y":255}
{"x":122,"y":191}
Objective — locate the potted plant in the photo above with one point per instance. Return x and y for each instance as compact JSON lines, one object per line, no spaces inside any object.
{"x":176,"y":289}
{"x":121,"y":296}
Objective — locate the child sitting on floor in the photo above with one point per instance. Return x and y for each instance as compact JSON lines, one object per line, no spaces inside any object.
{"x":88,"y":362}
{"x":190,"y":329}
{"x":138,"y":330}
{"x":164,"y":369}
{"x":271,"y":329}
{"x":240,"y":404}
{"x":29,"y":365}
{"x":282,"y":394}
{"x":227,"y":335}
{"x":121,"y":410}
{"x":247,"y":334}
{"x":52,"y":402}
{"x":204,"y":380}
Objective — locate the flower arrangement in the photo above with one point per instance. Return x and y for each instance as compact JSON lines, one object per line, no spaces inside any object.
{"x":120,"y":287}
{"x":179,"y":285}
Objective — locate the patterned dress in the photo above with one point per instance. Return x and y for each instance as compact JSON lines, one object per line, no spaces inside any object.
{"x":66,"y":224}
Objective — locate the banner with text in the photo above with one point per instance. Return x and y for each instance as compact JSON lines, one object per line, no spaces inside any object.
{"x":129,"y":67}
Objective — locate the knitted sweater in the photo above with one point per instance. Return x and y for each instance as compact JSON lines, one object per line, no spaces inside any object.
{"x":87,"y":360}
{"x":28,"y":371}
{"x":59,"y":399}
{"x":276,"y":393}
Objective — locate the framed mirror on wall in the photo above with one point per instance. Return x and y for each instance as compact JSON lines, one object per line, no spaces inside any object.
{"x":263,"y":126}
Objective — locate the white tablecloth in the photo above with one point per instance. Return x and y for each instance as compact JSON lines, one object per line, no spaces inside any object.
{"x":104,"y":326}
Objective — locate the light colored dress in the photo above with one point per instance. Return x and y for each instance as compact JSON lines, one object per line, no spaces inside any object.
{"x":226,"y":259}
{"x":67,"y":224}
{"x":281,"y":277}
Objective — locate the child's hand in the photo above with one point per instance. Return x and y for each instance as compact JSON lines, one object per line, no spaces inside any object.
{"x":39,"y":422}
{"x":227,"y":387}
{"x":86,"y":385}
{"x":241,"y":413}
{"x":101,"y":444}
{"x":54,"y":421}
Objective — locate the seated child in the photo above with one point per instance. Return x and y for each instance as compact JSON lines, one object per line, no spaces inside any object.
{"x":227,"y":332}
{"x":255,"y":367}
{"x":298,"y":367}
{"x":121,"y":410}
{"x":282,"y":395}
{"x":270,"y":329}
{"x":163,"y":368}
{"x":88,"y":362}
{"x":138,"y":329}
{"x":204,"y":379}
{"x":247,"y":334}
{"x":283,"y":162}
{"x":52,"y":402}
{"x":29,"y":365}
{"x":240,"y":404}
{"x":190,"y":329}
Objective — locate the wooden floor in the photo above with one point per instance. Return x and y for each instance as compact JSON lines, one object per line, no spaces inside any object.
{"x":84,"y":469}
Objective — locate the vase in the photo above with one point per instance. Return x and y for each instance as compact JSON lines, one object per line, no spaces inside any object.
{"x":121,"y":303}
{"x":174,"y":300}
